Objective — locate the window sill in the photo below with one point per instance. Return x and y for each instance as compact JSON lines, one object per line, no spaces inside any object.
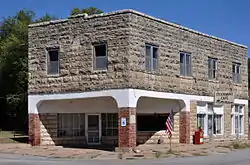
{"x":185,"y":77}
{"x":53,"y":75}
{"x":236,"y":84}
{"x":152,"y":72}
{"x":214,"y":135}
{"x":240,"y":134}
{"x":213,"y":81}
{"x":100,"y":71}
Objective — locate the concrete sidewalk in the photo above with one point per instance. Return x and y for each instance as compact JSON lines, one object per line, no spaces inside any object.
{"x":145,"y":151}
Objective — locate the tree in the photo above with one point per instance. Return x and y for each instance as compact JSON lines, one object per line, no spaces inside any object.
{"x":90,"y":11}
{"x":46,"y":17}
{"x":14,"y":67}
{"x":75,"y":11}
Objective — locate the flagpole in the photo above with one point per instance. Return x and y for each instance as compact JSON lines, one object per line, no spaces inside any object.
{"x":170,"y":149}
{"x":169,"y":128}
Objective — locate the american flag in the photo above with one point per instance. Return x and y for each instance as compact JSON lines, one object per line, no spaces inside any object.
{"x":169,"y":124}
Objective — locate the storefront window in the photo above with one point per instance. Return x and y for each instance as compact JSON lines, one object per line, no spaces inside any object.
{"x":237,"y":117}
{"x":109,"y":124}
{"x":201,"y":121}
{"x":70,"y":124}
{"x":217,"y":124}
{"x":210,"y":119}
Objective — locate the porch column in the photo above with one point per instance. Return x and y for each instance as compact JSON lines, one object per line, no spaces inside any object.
{"x":127,"y":128}
{"x":188,"y":122}
{"x":34,"y":130}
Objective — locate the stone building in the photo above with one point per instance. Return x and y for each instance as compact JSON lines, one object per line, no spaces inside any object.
{"x":113,"y":78}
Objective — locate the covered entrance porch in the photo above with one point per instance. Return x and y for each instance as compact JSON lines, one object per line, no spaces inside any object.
{"x":103,"y":117}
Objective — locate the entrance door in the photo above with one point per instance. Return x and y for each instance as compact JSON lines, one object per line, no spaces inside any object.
{"x":93,"y":131}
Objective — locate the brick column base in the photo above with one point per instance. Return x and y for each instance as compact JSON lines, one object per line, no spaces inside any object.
{"x":127,"y":133}
{"x":184,"y":127}
{"x":34,"y":129}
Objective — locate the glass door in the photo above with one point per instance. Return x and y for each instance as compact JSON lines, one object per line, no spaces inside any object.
{"x":93,"y":128}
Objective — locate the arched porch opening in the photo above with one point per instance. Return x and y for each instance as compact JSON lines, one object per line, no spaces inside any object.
{"x":152,"y":114}
{"x":79,"y":122}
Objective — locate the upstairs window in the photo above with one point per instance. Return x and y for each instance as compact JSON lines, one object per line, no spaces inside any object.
{"x":53,"y":62}
{"x":236,"y":72}
{"x":212,"y":68}
{"x":185,"y":64}
{"x":151,"y":58}
{"x":100,"y":57}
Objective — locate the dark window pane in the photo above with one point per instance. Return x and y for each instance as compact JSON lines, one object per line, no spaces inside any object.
{"x":238,"y":69}
{"x":214,"y":64}
{"x":148,"y":63}
{"x":100,"y":50}
{"x":53,"y":67}
{"x":234,"y":68}
{"x":148,"y":51}
{"x":209,"y":63}
{"x":188,"y":60}
{"x":214,"y":74}
{"x":109,"y":132}
{"x":104,"y":132}
{"x":155,"y":64}
{"x":182,"y":56}
{"x":155,"y":52}
{"x":53,"y":62}
{"x":101,"y":62}
{"x":188,"y":70}
{"x":182,"y":69}
{"x":53,"y":55}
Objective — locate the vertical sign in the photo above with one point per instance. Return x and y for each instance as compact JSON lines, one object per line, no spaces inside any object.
{"x":123,"y":122}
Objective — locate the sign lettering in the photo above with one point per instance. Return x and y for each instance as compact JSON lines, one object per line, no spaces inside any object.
{"x":223,"y":97}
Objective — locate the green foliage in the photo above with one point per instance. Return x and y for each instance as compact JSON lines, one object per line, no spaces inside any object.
{"x":90,"y":11}
{"x":14,"y":65}
{"x":46,"y":17}
{"x":75,"y":11}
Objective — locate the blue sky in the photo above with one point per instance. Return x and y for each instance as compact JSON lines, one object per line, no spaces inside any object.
{"x":228,"y":19}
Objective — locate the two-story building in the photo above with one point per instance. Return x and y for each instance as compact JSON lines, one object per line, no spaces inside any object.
{"x":113,"y":78}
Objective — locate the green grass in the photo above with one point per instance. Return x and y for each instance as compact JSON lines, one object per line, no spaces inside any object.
{"x":8,"y":137}
{"x":6,"y":134}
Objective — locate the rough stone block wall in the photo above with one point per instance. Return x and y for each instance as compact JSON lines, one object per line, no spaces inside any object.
{"x":246,"y":124}
{"x":48,"y":127}
{"x":126,"y":34}
{"x":127,"y":134}
{"x":171,"y":40}
{"x":75,"y":38}
{"x":193,"y":119}
{"x":48,"y":130}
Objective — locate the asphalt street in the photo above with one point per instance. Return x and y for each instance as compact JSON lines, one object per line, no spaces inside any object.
{"x":240,"y":157}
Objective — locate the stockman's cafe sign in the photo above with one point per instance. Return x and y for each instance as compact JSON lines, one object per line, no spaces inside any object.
{"x":223,"y":97}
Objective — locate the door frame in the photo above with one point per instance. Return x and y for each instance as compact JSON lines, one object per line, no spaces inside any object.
{"x":86,"y":127}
